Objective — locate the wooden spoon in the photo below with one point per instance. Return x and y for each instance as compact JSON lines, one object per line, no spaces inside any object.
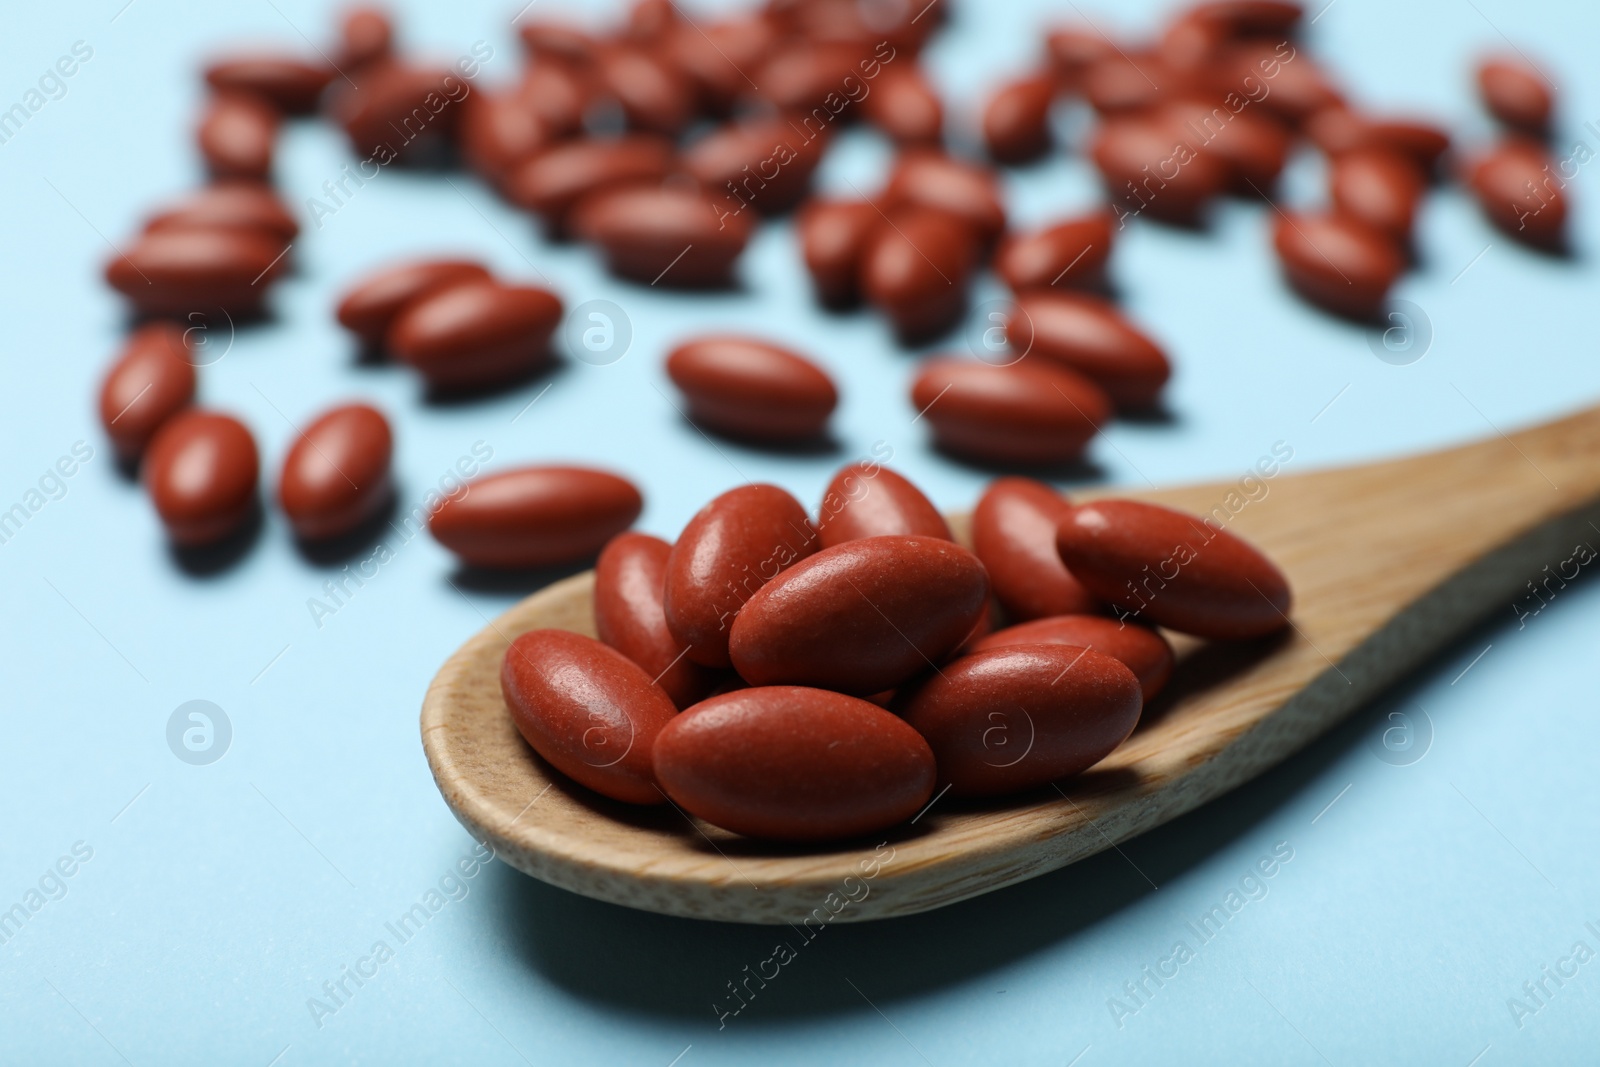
{"x":1388,"y":563}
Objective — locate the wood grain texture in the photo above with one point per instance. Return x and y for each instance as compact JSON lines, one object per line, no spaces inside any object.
{"x":1387,"y":561}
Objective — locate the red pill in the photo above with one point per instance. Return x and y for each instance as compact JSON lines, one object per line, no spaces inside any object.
{"x":834,"y":236}
{"x":201,"y":471}
{"x":1089,"y":335}
{"x":794,"y":764}
{"x":629,"y":580}
{"x":1338,"y":262}
{"x":811,"y":78}
{"x":558,"y":95}
{"x":499,"y":131}
{"x":1016,"y":120}
{"x":747,"y":388}
{"x":1516,"y":93}
{"x":1016,"y":718}
{"x":558,"y":43}
{"x":401,"y":111}
{"x":869,"y":500}
{"x":1379,"y":187}
{"x":715,"y":55}
{"x":734,"y":545}
{"x":1517,"y":188}
{"x":1069,"y":254}
{"x":1339,"y":129}
{"x":1297,"y":87}
{"x":653,"y":94}
{"x":1149,"y":168}
{"x":1252,"y":147}
{"x":862,"y":616}
{"x":765,"y":164}
{"x":336,"y":475}
{"x":659,"y":235}
{"x":366,"y":36}
{"x":150,"y":382}
{"x":536,"y":516}
{"x":1139,"y":648}
{"x":1014,"y":535}
{"x":1174,"y":570}
{"x":176,"y":272}
{"x":248,"y":205}
{"x":905,"y":106}
{"x":1125,"y":83}
{"x":553,"y":181}
{"x":476,"y":334}
{"x":926,"y":177}
{"x":369,"y":306}
{"x":291,"y":85}
{"x":1073,"y":50}
{"x":915,"y":270}
{"x":237,"y":136}
{"x":590,"y":711}
{"x":1028,"y":412}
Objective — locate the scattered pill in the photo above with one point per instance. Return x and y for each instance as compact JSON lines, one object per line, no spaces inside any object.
{"x":201,"y":470}
{"x":476,"y":334}
{"x":535,"y":516}
{"x":1069,"y":254}
{"x":336,"y":474}
{"x":1025,"y":413}
{"x":369,"y":306}
{"x":747,"y":388}
{"x":661,"y":235}
{"x":237,"y":136}
{"x":1338,"y":263}
{"x":150,"y":382}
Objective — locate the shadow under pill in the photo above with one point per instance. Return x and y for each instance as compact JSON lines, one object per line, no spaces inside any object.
{"x":516,"y":580}
{"x":208,"y":561}
{"x":334,"y":551}
{"x":463,"y":396}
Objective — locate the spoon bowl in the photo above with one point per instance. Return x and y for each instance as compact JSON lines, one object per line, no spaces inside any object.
{"x":1388,"y":562}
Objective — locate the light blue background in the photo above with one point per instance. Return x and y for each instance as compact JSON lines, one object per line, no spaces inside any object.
{"x":220,"y":898}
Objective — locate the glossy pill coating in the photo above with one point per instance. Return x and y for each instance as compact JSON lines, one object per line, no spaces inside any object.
{"x":291,"y":85}
{"x":366,"y":36}
{"x":1072,"y":50}
{"x":1150,"y":169}
{"x":151,"y":381}
{"x":553,"y":181}
{"x":1299,"y":86}
{"x":654,"y":95}
{"x":1516,"y":93}
{"x":476,"y":334}
{"x":904,"y":105}
{"x":401,"y":111}
{"x":806,"y":77}
{"x":764,"y":164}
{"x":1127,"y":83}
{"x":715,"y":54}
{"x":789,"y":763}
{"x":201,"y":471}
{"x":1174,"y":570}
{"x":1016,"y":718}
{"x":1379,"y":187}
{"x":659,"y":235}
{"x":1339,"y":129}
{"x":862,"y":616}
{"x":1139,"y":648}
{"x":590,"y":711}
{"x":536,"y":516}
{"x":629,"y":580}
{"x":237,"y":135}
{"x":1016,"y":120}
{"x":1338,"y":263}
{"x":557,"y":95}
{"x":747,"y":388}
{"x":1519,"y":191}
{"x":369,"y":306}
{"x":834,"y":235}
{"x":500,"y":131}
{"x":336,"y":474}
{"x":1067,"y":254}
{"x":915,"y":270}
{"x":1026,"y":413}
{"x":1251,"y":146}
{"x":925,"y":177}
{"x":1089,"y":335}
{"x":236,"y":204}
{"x":180,"y":271}
{"x":1014,"y":534}
{"x":735,"y":544}
{"x":867,"y":499}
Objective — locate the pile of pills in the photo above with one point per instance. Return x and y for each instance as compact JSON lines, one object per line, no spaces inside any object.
{"x":813,"y":677}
